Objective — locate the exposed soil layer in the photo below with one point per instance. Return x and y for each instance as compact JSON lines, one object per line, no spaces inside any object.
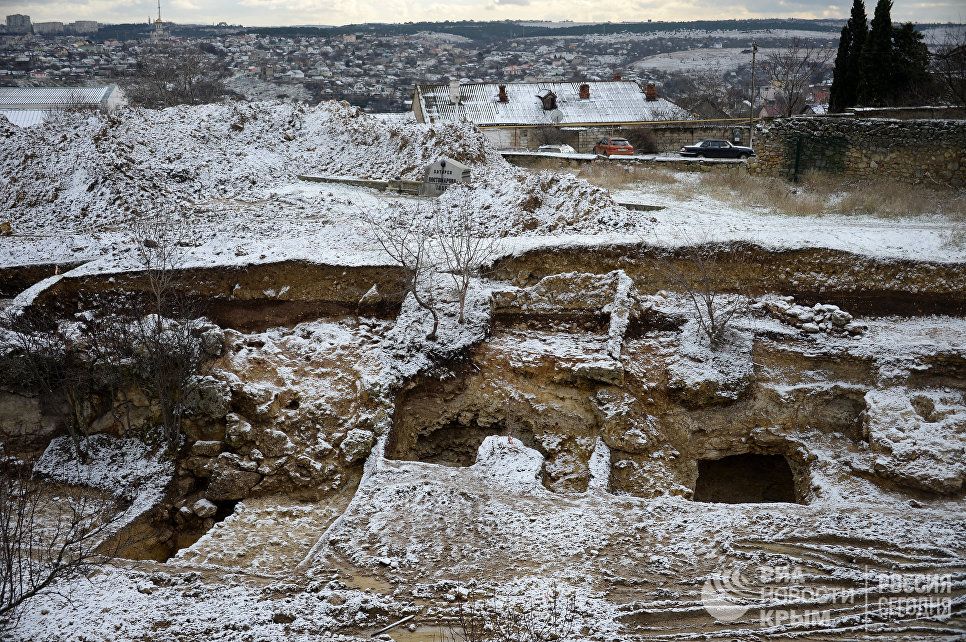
{"x":859,"y":283}
{"x":255,"y":297}
{"x":16,"y":279}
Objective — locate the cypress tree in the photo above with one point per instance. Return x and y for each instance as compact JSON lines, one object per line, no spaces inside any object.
{"x":911,"y":80}
{"x":877,"y":72}
{"x":838,"y":94}
{"x":859,"y":29}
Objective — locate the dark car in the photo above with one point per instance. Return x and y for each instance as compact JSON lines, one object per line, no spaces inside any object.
{"x":611,"y":146}
{"x":717,"y":149}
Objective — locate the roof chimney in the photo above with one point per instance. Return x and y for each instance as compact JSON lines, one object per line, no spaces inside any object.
{"x":502,"y":97}
{"x":454,"y":92}
{"x":585,"y":91}
{"x":650,"y":91}
{"x":618,"y":77}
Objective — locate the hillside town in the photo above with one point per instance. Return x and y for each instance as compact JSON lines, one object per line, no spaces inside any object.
{"x":378,"y":72}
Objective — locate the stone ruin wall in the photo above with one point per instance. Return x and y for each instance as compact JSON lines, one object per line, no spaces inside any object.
{"x":928,"y":152}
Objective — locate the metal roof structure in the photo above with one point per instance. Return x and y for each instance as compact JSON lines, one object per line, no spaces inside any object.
{"x":618,"y":101}
{"x":25,"y":117}
{"x":54,"y":97}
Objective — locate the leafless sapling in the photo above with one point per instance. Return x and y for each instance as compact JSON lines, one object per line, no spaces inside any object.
{"x":46,"y":537}
{"x":165,"y":331}
{"x":406,"y":236}
{"x":949,"y":64}
{"x":464,"y":246}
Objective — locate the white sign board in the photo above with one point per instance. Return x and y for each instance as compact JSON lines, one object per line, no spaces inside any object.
{"x":442,"y":174}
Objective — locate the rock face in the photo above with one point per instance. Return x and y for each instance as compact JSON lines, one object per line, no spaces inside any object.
{"x":22,"y":419}
{"x":229,"y":480}
{"x":918,"y":438}
{"x":700,"y":376}
{"x":357,"y":444}
{"x":507,"y":462}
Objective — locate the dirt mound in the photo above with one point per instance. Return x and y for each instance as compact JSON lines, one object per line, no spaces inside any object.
{"x":82,"y":172}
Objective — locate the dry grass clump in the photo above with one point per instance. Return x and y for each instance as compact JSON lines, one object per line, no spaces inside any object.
{"x":619,"y":175}
{"x":824,"y":193}
{"x":758,"y":191}
{"x":895,"y":199}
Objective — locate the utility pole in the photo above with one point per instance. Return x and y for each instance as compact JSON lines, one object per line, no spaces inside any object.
{"x":751,"y":110}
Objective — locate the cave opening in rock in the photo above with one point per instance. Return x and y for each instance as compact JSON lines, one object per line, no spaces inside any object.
{"x":455,"y":444}
{"x":148,"y":539}
{"x":745,"y":479}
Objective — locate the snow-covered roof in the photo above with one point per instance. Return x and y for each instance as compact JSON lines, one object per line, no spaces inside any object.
{"x":53,"y":97}
{"x":25,"y":117}
{"x":610,"y":102}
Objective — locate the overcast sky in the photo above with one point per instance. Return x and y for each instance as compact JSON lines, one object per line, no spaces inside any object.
{"x":290,"y":12}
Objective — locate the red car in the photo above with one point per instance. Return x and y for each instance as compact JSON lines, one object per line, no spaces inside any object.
{"x":611,"y":146}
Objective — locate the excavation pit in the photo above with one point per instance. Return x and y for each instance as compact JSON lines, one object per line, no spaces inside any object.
{"x":745,"y":479}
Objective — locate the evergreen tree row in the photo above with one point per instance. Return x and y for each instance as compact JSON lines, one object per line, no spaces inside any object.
{"x":884,"y":65}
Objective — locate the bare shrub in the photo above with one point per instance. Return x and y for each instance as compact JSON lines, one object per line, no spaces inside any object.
{"x":54,"y":358}
{"x":46,"y":540}
{"x":551,"y":615}
{"x":464,"y":246}
{"x":713,"y":309}
{"x":549,"y":135}
{"x":120,"y":342}
{"x":697,"y":272}
{"x":405,"y":235}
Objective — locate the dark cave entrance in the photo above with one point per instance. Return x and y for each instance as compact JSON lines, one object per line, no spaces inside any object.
{"x":745,"y":479}
{"x":455,"y":444}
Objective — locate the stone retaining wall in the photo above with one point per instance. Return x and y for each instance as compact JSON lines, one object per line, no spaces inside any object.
{"x":931,"y":152}
{"x":531,"y":160}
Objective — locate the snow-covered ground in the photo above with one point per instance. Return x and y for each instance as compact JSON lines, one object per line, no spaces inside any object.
{"x":417,"y":536}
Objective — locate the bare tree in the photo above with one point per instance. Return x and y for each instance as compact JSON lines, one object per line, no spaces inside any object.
{"x":550,"y":615}
{"x":794,"y":69}
{"x":46,"y":540}
{"x":550,"y":135}
{"x":949,"y":64}
{"x":406,"y":236}
{"x":177,"y":76}
{"x":464,"y":246}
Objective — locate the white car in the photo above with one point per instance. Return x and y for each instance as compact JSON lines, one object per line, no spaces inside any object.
{"x":556,"y":149}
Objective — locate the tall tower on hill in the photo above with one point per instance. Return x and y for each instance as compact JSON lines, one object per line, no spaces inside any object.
{"x":158,"y":33}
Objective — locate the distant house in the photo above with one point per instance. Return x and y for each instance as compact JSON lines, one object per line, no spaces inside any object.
{"x":707,"y":108}
{"x":514,"y":115}
{"x":28,"y":106}
{"x":814,"y":110}
{"x":770,"y":110}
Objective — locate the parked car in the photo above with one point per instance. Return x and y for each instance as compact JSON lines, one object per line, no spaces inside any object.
{"x":610,"y":146}
{"x":557,"y":149}
{"x":717,"y":149}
